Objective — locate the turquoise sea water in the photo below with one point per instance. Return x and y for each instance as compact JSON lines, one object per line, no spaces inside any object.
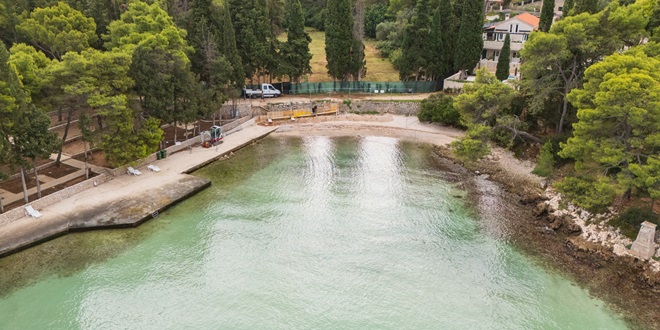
{"x":312,"y":233}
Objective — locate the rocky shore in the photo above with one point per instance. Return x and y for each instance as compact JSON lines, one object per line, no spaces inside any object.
{"x":573,"y":241}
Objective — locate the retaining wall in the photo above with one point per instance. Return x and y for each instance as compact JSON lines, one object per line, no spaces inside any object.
{"x":396,"y":108}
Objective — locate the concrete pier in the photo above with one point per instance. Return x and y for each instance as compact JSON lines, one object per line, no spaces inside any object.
{"x":126,"y":200}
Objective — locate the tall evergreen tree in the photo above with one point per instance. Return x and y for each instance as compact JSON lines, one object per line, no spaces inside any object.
{"x":503,"y":62}
{"x":568,"y":6}
{"x":547,"y":14}
{"x":457,"y":15}
{"x":228,"y":47}
{"x":416,"y":48}
{"x":585,"y":6}
{"x":252,"y":25}
{"x":436,"y":66}
{"x":469,"y":41}
{"x":441,"y":40}
{"x":203,"y":32}
{"x":296,"y":50}
{"x":339,"y":39}
{"x":358,"y":65}
{"x":457,"y":9}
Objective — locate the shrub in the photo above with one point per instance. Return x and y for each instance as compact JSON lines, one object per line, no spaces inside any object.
{"x":474,"y":145}
{"x":546,"y":161}
{"x":593,"y":195}
{"x":348,"y":103}
{"x":630,"y":220}
{"x":439,"y":108}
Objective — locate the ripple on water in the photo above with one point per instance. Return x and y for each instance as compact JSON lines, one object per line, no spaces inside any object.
{"x":303,"y":233}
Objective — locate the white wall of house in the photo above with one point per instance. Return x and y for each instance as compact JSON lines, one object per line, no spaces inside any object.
{"x":494,"y":36}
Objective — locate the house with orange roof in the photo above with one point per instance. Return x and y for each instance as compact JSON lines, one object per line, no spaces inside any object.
{"x":519,"y":29}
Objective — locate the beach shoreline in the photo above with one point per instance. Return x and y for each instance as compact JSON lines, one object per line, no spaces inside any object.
{"x":616,"y":280}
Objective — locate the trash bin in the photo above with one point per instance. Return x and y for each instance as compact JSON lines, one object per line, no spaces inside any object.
{"x":158,"y":155}
{"x":164,"y":155}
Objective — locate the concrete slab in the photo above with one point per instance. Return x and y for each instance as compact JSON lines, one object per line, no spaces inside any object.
{"x":125,"y":201}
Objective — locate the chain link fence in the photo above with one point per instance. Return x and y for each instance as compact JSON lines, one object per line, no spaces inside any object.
{"x":359,"y":87}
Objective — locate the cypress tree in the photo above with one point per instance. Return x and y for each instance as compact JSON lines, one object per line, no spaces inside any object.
{"x":585,"y":6}
{"x":547,"y":13}
{"x":446,"y":30}
{"x":566,"y":9}
{"x":264,"y":52}
{"x":202,"y":37}
{"x":457,"y":13}
{"x":252,"y":25}
{"x":502,"y":71}
{"x":228,"y":48}
{"x":296,"y":50}
{"x":437,"y":67}
{"x":358,"y":67}
{"x":416,"y":48}
{"x":469,"y":41}
{"x":339,"y":38}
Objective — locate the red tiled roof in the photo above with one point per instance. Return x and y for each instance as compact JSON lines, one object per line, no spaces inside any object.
{"x":529,"y":19}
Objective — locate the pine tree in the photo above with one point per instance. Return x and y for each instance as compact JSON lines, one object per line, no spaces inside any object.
{"x":24,"y":130}
{"x":504,"y":60}
{"x":339,"y":39}
{"x":469,"y":41}
{"x":547,"y":13}
{"x":296,"y":50}
{"x":10,"y":100}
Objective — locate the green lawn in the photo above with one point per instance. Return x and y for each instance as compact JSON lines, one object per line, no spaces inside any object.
{"x":378,"y":69}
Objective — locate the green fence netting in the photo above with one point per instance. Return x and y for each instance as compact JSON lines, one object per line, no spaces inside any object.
{"x":361,"y":87}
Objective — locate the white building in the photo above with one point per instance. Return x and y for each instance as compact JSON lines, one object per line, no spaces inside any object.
{"x":519,"y":28}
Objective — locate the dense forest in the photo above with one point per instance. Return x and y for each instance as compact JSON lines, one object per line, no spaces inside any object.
{"x":130,"y":66}
{"x":589,"y":93}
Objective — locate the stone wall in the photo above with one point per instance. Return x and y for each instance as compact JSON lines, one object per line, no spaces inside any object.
{"x":242,"y":108}
{"x":382,"y":107}
{"x":56,"y":197}
{"x":390,"y":107}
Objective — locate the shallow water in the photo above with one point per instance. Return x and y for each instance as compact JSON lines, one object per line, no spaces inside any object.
{"x":300,"y":233}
